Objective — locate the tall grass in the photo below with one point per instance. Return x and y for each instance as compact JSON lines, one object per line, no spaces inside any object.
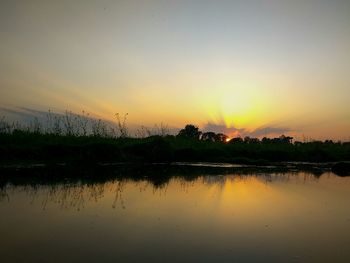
{"x":69,"y":124}
{"x":72,"y":135}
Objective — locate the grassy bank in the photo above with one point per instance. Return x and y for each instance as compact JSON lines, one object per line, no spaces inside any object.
{"x":27,"y":146}
{"x":78,"y":138}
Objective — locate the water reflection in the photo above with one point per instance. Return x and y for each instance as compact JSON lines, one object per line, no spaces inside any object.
{"x":174,"y":216}
{"x":75,"y":194}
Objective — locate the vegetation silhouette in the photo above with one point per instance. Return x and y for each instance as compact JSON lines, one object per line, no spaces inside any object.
{"x":341,"y":169}
{"x":214,"y":137}
{"x":79,"y":138}
{"x":190,"y":132}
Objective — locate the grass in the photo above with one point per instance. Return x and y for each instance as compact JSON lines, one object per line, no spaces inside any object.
{"x":79,"y":138}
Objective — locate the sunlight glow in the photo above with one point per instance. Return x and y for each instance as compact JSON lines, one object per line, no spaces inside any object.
{"x":236,"y":107}
{"x":238,"y":65}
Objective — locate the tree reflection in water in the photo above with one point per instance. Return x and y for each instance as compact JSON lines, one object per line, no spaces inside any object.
{"x":74,"y":190}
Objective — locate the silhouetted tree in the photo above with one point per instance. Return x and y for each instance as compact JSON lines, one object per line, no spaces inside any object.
{"x":220,"y":137}
{"x":190,"y":131}
{"x":208,"y":136}
{"x":236,"y":140}
{"x":214,"y":137}
{"x":248,"y":139}
{"x":265,"y":140}
{"x":281,"y":139}
{"x":285,"y":139}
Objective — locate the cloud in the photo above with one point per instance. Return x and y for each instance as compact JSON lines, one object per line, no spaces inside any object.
{"x":26,"y":116}
{"x":18,"y":114}
{"x":221,"y":128}
{"x":267,"y":131}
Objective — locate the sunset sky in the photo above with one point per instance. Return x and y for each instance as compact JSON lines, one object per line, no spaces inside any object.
{"x":261,"y":68}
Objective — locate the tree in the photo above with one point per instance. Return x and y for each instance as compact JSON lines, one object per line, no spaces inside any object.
{"x":250,"y":140}
{"x":285,"y":139}
{"x":208,"y":136}
{"x":190,"y":131}
{"x":236,"y":140}
{"x":220,"y":137}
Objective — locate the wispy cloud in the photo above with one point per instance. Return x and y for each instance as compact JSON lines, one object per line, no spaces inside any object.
{"x":267,"y":131}
{"x":25,"y":116}
{"x":221,"y":128}
{"x":235,"y":132}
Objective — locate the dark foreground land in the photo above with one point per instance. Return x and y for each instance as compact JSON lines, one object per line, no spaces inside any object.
{"x":74,"y":138}
{"x":29,"y":147}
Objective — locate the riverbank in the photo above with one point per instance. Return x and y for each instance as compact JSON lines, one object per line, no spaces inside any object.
{"x":28,"y":147}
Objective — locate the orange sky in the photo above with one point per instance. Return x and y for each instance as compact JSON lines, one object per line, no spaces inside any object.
{"x":248,"y":66}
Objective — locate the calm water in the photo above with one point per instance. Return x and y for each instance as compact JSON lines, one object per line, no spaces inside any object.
{"x":233,"y":218}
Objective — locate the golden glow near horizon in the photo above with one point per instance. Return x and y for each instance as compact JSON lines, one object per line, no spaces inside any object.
{"x":251,"y":68}
{"x":240,"y":107}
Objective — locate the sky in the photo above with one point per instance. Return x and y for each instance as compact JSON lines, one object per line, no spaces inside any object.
{"x":259,"y":68}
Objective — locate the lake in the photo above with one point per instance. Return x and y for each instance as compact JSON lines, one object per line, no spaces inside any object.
{"x":255,"y":217}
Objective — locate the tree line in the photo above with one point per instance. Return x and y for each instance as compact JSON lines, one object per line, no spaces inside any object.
{"x":192,"y":132}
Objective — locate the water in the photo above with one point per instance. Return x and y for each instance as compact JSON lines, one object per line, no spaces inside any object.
{"x":270,"y":217}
